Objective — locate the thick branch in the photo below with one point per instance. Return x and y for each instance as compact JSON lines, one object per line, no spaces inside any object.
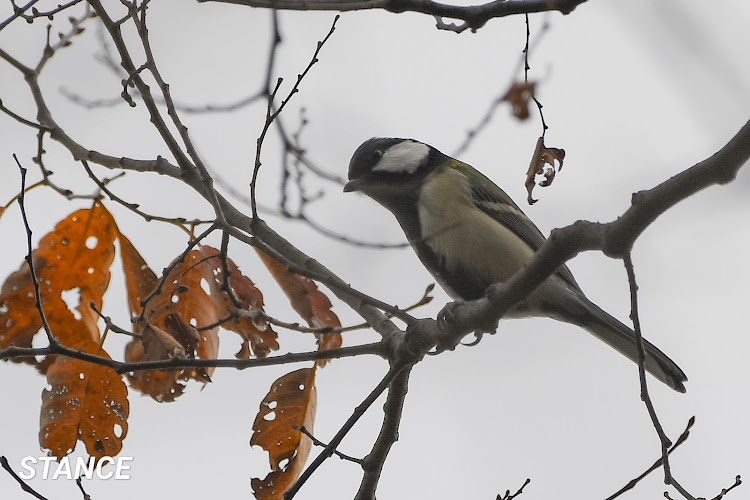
{"x":393,"y":409}
{"x":474,"y":16}
{"x":720,"y":168}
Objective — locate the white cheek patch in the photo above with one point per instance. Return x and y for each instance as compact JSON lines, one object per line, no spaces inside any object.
{"x":404,"y":157}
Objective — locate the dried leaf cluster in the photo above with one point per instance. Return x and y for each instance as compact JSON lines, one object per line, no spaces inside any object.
{"x":175,"y":316}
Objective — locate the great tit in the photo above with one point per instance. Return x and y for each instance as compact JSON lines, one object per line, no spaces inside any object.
{"x":469,"y":234}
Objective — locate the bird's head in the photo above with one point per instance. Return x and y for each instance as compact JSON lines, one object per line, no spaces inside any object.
{"x":389,"y":168}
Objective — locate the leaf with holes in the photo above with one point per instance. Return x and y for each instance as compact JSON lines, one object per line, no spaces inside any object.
{"x":140,"y":281}
{"x":543,"y":164}
{"x":290,"y":402}
{"x":308,"y":301}
{"x":259,"y":337}
{"x":158,"y":344}
{"x":86,"y":402}
{"x":174,"y":314}
{"x":72,"y":265}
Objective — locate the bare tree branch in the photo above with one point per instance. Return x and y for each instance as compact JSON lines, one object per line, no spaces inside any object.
{"x":474,"y":17}
{"x":179,"y":363}
{"x":374,"y":462}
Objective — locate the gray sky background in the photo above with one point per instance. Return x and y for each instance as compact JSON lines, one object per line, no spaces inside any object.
{"x":634,"y":91}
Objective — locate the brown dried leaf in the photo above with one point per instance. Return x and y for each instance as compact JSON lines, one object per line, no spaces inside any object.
{"x":259,"y":337}
{"x":186,"y":335}
{"x":180,"y":307}
{"x":519,"y":96}
{"x":162,"y":385}
{"x":74,"y":258}
{"x":290,"y":402}
{"x":158,"y":344}
{"x":86,"y":402}
{"x":543,"y":163}
{"x":140,"y":280}
{"x":308,"y":301}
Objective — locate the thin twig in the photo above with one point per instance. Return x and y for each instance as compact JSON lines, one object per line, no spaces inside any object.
{"x":645,"y":397}
{"x":21,"y":119}
{"x":30,"y":256}
{"x":226,"y":287}
{"x":509,"y":496}
{"x":86,"y":496}
{"x":19,"y":12}
{"x":134,"y":207}
{"x":724,"y":491}
{"x":25,"y":487}
{"x":526,"y":69}
{"x":111,"y":325}
{"x":271,"y":115}
{"x":12,"y":352}
{"x":29,"y":188}
{"x":46,"y":174}
{"x":486,"y":119}
{"x":320,"y":443}
{"x":683,"y":437}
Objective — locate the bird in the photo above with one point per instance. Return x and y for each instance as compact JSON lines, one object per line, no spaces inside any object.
{"x":469,"y":234}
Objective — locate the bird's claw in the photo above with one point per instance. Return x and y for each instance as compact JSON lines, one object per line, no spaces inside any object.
{"x":448,"y":321}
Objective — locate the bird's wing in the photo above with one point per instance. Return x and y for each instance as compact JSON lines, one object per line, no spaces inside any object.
{"x":493,"y":201}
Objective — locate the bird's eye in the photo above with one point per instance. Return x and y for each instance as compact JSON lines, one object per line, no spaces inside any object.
{"x":377,"y":153}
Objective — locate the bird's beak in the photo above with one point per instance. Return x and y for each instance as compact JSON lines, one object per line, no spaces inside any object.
{"x":352,"y":185}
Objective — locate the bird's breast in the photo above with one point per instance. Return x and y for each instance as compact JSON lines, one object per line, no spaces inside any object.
{"x":471,"y":247}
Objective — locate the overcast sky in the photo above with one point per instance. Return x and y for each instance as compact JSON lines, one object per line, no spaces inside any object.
{"x":634,"y":91}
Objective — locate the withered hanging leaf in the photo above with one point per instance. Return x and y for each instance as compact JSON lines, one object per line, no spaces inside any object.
{"x":259,"y":337}
{"x":180,"y":307}
{"x":290,"y":402}
{"x":19,"y":320}
{"x":86,"y":402}
{"x":162,"y":385}
{"x":158,"y":344}
{"x":519,"y":96}
{"x":74,"y":260}
{"x":308,"y":301}
{"x":140,"y":280}
{"x":543,"y":163}
{"x":186,"y":335}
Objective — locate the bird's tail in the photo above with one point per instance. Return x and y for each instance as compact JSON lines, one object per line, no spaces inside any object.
{"x":615,"y":334}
